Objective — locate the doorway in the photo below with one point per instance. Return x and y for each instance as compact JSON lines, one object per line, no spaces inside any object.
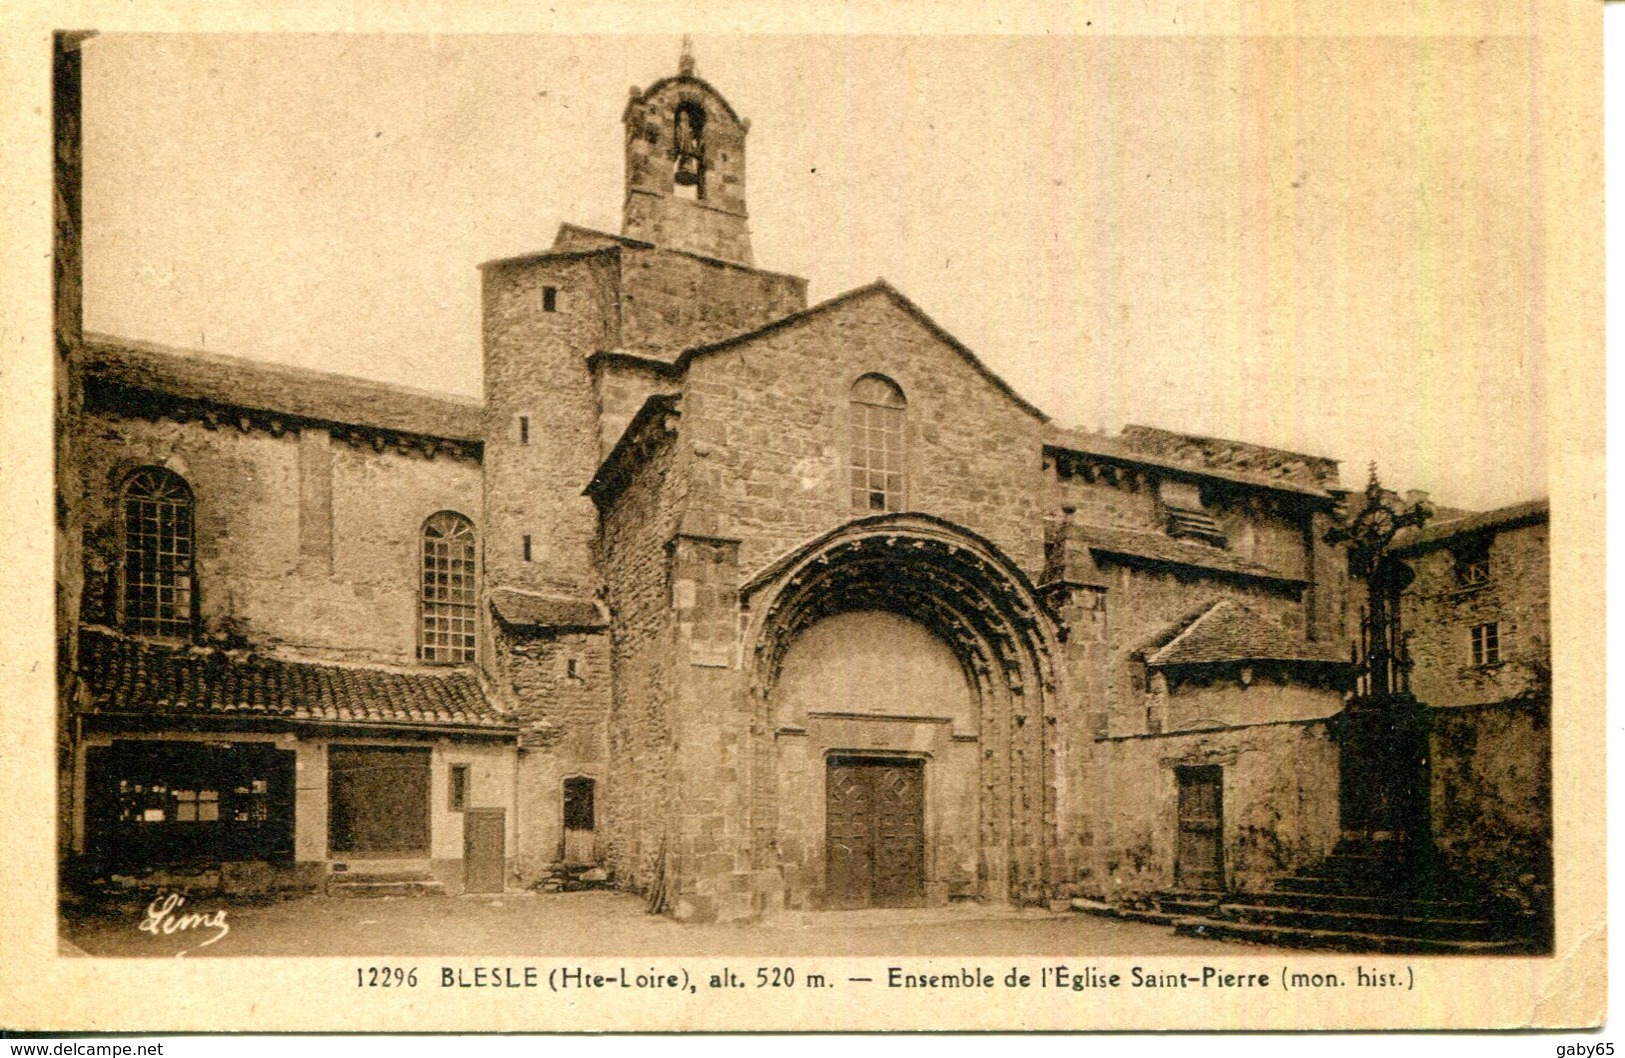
{"x":484,"y":849}
{"x":875,"y":833}
{"x":580,"y":821}
{"x":1199,"y":856}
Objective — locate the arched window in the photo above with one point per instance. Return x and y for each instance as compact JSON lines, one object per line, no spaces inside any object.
{"x":876,"y":445}
{"x":158,"y":590}
{"x":446,"y":635}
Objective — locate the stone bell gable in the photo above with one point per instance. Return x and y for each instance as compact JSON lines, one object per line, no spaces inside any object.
{"x":685,"y":169}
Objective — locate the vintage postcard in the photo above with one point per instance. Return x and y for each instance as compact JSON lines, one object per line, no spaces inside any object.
{"x":1084,"y":521}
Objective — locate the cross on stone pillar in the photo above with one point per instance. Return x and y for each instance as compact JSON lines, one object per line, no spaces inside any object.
{"x":1383,"y":659}
{"x":1382,"y":734}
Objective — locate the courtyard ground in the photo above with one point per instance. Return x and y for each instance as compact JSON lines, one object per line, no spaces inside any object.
{"x":602,"y":923}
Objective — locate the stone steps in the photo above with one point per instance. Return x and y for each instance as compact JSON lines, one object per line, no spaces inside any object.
{"x":1397,"y":887}
{"x":1361,"y":904}
{"x":1341,"y":940}
{"x":384,"y":883}
{"x":1179,"y":902}
{"x":1367,"y":896}
{"x":1415,"y":927}
{"x":425,"y":887}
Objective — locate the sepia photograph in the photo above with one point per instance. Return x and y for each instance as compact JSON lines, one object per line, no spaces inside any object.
{"x":900,"y":507}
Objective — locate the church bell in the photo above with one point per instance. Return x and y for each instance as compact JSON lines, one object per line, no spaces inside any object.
{"x":688,"y":170}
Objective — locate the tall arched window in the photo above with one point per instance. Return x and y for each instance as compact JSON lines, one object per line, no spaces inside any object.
{"x":158,"y":552}
{"x":446,"y":634}
{"x":876,"y":445}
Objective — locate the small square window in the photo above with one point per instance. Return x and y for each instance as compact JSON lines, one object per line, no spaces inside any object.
{"x":550,"y":299}
{"x":1474,"y":574}
{"x":1472,"y":566}
{"x":1487,"y":643}
{"x":457,"y":787}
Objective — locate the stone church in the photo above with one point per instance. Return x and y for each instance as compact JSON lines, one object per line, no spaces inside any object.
{"x":739,"y":603}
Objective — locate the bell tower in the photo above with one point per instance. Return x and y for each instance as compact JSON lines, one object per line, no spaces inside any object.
{"x":685,"y":168}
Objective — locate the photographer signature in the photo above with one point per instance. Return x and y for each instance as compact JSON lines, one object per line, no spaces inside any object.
{"x":164,"y":917}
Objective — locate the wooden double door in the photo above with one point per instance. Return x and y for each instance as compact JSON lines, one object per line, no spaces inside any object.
{"x":875,"y":832}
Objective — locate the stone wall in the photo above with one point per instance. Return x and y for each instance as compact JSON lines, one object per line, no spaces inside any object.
{"x":1280,"y":806}
{"x":768,"y":420}
{"x":1126,"y":499}
{"x":1087,"y":663}
{"x":710,"y":856}
{"x":1259,"y":526}
{"x":304,"y":543}
{"x":541,"y":425}
{"x":1220,"y":699}
{"x":1440,"y":614}
{"x":622,"y":385}
{"x":1331,"y":617}
{"x":642,"y":726}
{"x":559,"y":682}
{"x":1142,"y":603}
{"x":1491,"y":801}
{"x":1114,"y":697}
{"x":1220,"y":454}
{"x":619,"y":298}
{"x":671,"y":301}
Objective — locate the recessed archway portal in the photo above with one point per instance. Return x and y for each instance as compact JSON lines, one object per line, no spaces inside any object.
{"x":902,"y":671}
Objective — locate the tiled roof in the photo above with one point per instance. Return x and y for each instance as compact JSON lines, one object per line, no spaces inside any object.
{"x":133,"y":676}
{"x":290,"y":391}
{"x":526,"y":609}
{"x":1227,"y":631}
{"x":1180,"y":462}
{"x":1160,"y":548}
{"x":1224,"y":454}
{"x":1441,"y":529}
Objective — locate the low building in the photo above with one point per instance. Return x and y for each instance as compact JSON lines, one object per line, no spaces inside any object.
{"x":277,"y":623}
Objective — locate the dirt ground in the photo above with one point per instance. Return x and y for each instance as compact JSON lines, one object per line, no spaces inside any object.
{"x":597,"y":923}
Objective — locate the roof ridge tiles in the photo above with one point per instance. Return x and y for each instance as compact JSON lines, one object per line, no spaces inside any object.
{"x":133,"y":676}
